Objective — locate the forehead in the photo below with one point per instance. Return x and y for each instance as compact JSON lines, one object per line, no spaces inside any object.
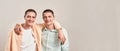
{"x":47,"y":13}
{"x":31,"y":13}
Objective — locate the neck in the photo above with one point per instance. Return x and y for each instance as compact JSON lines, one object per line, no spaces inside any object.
{"x":50,"y":27}
{"x":26,"y":26}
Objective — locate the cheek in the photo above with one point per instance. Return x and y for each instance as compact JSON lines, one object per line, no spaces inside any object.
{"x":26,"y":19}
{"x":52,"y":19}
{"x":34,"y":19}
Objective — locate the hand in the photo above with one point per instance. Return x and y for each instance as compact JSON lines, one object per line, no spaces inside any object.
{"x":17,"y":29}
{"x":56,"y":24}
{"x":61,"y":37}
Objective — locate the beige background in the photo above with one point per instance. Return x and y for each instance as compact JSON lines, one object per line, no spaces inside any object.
{"x":93,"y":25}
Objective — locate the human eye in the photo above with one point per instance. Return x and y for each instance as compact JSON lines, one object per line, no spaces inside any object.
{"x":49,"y":16}
{"x":33,"y":17}
{"x":44,"y":17}
{"x":28,"y":16}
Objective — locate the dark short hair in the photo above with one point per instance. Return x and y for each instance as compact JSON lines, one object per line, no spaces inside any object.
{"x":30,"y":10}
{"x":48,"y":10}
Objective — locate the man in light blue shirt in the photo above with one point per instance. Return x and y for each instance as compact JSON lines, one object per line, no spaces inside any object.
{"x":50,"y":39}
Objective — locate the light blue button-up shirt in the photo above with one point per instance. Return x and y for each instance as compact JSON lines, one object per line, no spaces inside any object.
{"x":50,"y":40}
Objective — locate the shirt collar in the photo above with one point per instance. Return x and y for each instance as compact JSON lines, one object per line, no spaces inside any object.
{"x":45,"y":29}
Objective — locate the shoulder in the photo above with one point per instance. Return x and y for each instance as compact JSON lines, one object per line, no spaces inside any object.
{"x":63,"y":29}
{"x":41,"y":25}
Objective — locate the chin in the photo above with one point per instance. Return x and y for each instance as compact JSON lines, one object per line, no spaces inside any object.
{"x":49,"y":23}
{"x":30,"y":24}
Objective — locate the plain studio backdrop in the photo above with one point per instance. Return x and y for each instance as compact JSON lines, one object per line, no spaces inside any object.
{"x":93,"y":25}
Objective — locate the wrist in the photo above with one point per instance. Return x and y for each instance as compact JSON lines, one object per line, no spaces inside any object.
{"x":59,"y":29}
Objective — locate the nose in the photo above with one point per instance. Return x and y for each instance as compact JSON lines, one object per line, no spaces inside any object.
{"x":31,"y":18}
{"x":47,"y":18}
